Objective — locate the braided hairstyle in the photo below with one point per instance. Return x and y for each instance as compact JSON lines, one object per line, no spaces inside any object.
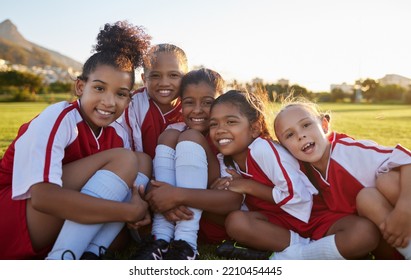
{"x":120,"y":45}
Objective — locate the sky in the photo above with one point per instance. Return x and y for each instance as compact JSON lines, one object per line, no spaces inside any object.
{"x":312,"y":43}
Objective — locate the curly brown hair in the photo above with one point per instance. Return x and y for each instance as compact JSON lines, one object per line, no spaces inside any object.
{"x":120,"y":45}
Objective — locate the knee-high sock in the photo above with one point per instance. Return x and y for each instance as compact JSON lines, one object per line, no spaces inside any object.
{"x":75,"y":236}
{"x":322,"y":249}
{"x":164,"y":171}
{"x":109,"y":231}
{"x":191,"y":172}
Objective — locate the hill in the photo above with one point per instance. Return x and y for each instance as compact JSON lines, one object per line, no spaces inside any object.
{"x":17,"y":50}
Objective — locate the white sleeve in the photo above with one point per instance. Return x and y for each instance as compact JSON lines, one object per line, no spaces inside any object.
{"x":399,"y":156}
{"x":224,"y":173}
{"x":123,"y":132}
{"x":180,"y":126}
{"x":292,"y":189}
{"x":365,"y":159}
{"x":133,"y":119}
{"x":223,"y":167}
{"x":39,"y":153}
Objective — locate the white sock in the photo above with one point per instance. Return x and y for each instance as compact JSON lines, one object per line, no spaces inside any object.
{"x":141,"y":179}
{"x":75,"y":237}
{"x":406,"y":252}
{"x":322,"y":249}
{"x":295,"y":239}
{"x":109,"y":231}
{"x":164,"y":171}
{"x":104,"y":238}
{"x":161,"y":228}
{"x":164,"y":164}
{"x":191,"y":172}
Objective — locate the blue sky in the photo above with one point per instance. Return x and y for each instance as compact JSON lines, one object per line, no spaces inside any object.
{"x":313,"y":43}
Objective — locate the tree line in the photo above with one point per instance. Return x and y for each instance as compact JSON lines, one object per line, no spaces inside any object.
{"x":368,"y":91}
{"x":24,"y":86}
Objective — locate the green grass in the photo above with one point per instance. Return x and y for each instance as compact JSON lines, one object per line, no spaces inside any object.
{"x":12,"y":116}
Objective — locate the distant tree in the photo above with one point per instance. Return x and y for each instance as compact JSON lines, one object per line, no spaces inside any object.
{"x":277,"y":92}
{"x":299,"y":91}
{"x":322,"y":97}
{"x":390,"y":92}
{"x":407,"y":96}
{"x":22,"y":80}
{"x":369,"y":89}
{"x":338,"y":95}
{"x":60,"y":87}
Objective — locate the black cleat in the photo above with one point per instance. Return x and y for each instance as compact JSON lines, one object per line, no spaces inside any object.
{"x":232,"y":250}
{"x":151,"y":250}
{"x":102,"y":255}
{"x":181,"y":250}
{"x":89,"y":256}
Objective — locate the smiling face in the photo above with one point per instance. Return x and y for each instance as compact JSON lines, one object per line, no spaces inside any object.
{"x":231,"y":132}
{"x":304,"y":135}
{"x":104,"y":96}
{"x":196,"y":103}
{"x":163,"y":80}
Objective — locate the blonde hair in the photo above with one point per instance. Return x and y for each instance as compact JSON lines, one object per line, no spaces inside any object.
{"x":310,"y":106}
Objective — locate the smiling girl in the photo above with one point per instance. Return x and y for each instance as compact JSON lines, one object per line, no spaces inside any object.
{"x":351,"y":175}
{"x":286,"y":215}
{"x":68,"y":175}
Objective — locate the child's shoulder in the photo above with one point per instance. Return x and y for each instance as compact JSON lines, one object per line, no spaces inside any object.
{"x":344,"y":146}
{"x":58,"y":108}
{"x":265,"y":147}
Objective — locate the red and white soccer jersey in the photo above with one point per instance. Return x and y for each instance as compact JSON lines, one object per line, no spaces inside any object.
{"x":146,"y":122}
{"x":296,"y":207}
{"x":57,"y":136}
{"x":353,"y":165}
{"x":271,"y":164}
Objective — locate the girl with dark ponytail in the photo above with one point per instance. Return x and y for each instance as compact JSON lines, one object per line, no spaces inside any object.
{"x":67,"y":179}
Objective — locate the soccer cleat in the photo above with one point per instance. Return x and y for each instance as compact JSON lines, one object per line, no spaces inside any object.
{"x":151,"y":250}
{"x":89,"y":256}
{"x":181,"y":250}
{"x":232,"y":250}
{"x":102,"y":254}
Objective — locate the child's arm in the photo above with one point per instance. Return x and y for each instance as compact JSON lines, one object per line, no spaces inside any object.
{"x":72,"y":205}
{"x":164,"y":197}
{"x":251,"y":187}
{"x":396,"y":228}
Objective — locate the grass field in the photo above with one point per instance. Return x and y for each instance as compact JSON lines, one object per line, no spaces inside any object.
{"x":385,"y":124}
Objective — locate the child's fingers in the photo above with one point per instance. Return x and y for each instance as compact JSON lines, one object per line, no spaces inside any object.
{"x":141,"y":190}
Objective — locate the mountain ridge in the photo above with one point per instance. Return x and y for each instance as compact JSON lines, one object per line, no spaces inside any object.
{"x":17,"y":50}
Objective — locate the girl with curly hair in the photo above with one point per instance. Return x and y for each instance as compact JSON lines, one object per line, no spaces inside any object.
{"x":67,"y":179}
